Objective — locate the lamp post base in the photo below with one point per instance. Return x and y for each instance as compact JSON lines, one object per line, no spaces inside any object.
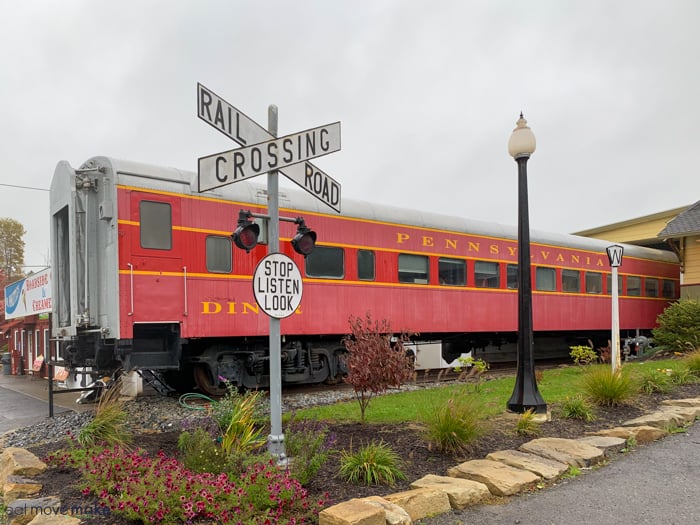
{"x":525,"y":401}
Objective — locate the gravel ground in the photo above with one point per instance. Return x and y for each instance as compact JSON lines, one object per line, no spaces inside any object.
{"x":153,"y":413}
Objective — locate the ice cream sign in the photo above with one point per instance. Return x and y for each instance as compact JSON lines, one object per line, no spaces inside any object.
{"x":30,"y":296}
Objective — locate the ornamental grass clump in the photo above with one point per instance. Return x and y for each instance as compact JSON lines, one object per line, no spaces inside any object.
{"x":681,"y":374}
{"x":161,"y":490}
{"x":692,"y":361}
{"x":577,"y":407}
{"x":653,"y":380}
{"x":607,"y":388}
{"x":108,"y":426}
{"x":373,"y":464}
{"x":527,"y":425}
{"x":456,"y":425}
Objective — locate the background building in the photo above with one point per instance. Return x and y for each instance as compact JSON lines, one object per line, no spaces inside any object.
{"x":677,"y":230}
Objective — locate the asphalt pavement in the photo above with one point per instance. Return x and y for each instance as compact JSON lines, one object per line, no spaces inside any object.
{"x":658,"y":483}
{"x":24,"y":400}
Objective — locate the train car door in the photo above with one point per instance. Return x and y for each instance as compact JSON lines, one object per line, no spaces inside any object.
{"x":157,"y":280}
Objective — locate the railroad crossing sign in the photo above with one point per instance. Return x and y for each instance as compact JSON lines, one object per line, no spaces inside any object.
{"x":277,"y":285}
{"x":263,"y":152}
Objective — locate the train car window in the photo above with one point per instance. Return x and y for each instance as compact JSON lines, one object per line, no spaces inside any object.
{"x":651,"y":287}
{"x":512,"y":276}
{"x":156,"y":225}
{"x":486,"y":274}
{"x":326,"y":261}
{"x":413,"y":268}
{"x":609,"y":283}
{"x":545,"y":279}
{"x":365,"y":265}
{"x":668,"y":289}
{"x":219,"y":255}
{"x":452,"y":272}
{"x":634,"y":285}
{"x":594,"y":282}
{"x":570,"y":281}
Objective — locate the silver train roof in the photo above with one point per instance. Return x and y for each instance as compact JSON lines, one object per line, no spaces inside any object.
{"x":171,"y":179}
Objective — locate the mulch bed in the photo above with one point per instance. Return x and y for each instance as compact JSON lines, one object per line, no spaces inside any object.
{"x":420,"y":458}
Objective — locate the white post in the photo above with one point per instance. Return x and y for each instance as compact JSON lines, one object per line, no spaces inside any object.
{"x":615,"y":257}
{"x":615,"y":339}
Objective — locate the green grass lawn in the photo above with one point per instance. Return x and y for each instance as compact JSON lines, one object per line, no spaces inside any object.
{"x":410,"y":406}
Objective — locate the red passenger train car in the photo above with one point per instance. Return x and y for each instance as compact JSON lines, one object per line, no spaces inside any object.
{"x":147,"y":277}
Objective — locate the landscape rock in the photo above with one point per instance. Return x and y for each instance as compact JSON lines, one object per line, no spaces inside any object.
{"x":608,"y":444}
{"x":461,"y":492}
{"x":688,"y":402}
{"x":61,"y":519}
{"x":567,"y":451}
{"x":393,"y":514}
{"x":23,"y":511}
{"x":19,"y":462}
{"x":352,"y":512}
{"x":543,"y":467}
{"x":501,"y":479}
{"x":641,"y":433}
{"x":17,"y":487}
{"x":669,"y":416}
{"x":420,"y":503}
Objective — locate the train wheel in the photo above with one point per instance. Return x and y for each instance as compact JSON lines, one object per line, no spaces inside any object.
{"x":203,"y":381}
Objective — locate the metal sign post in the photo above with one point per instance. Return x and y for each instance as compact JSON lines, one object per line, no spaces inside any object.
{"x":615,"y":257}
{"x":263,"y":152}
{"x":275,"y":441}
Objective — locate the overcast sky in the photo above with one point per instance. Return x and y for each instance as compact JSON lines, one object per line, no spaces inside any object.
{"x":427,"y":93}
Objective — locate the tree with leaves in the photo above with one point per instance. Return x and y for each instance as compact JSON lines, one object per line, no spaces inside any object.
{"x":11,"y":251}
{"x":376,"y":359}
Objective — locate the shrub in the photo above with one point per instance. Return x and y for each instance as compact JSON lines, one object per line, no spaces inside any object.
{"x":373,"y":464}
{"x":606,"y":388}
{"x":527,"y":425}
{"x":308,"y":446}
{"x":577,"y":408}
{"x":456,"y":425}
{"x":654,"y":380}
{"x":215,"y":448}
{"x":108,"y":427}
{"x":223,"y":410}
{"x":200,"y":452}
{"x":679,"y":326}
{"x":474,"y":367}
{"x":375,"y":360}
{"x":583,"y":355}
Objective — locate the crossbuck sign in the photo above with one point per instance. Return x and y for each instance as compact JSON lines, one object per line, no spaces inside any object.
{"x":262,"y":152}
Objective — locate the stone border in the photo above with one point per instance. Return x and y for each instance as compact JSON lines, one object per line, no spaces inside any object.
{"x":508,"y":472}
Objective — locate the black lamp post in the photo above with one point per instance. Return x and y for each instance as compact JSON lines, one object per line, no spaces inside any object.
{"x":525,"y":395}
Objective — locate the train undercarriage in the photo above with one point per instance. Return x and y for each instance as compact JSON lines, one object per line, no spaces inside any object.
{"x":214,"y":365}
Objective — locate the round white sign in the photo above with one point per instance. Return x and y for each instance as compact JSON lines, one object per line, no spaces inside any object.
{"x":277,"y":285}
